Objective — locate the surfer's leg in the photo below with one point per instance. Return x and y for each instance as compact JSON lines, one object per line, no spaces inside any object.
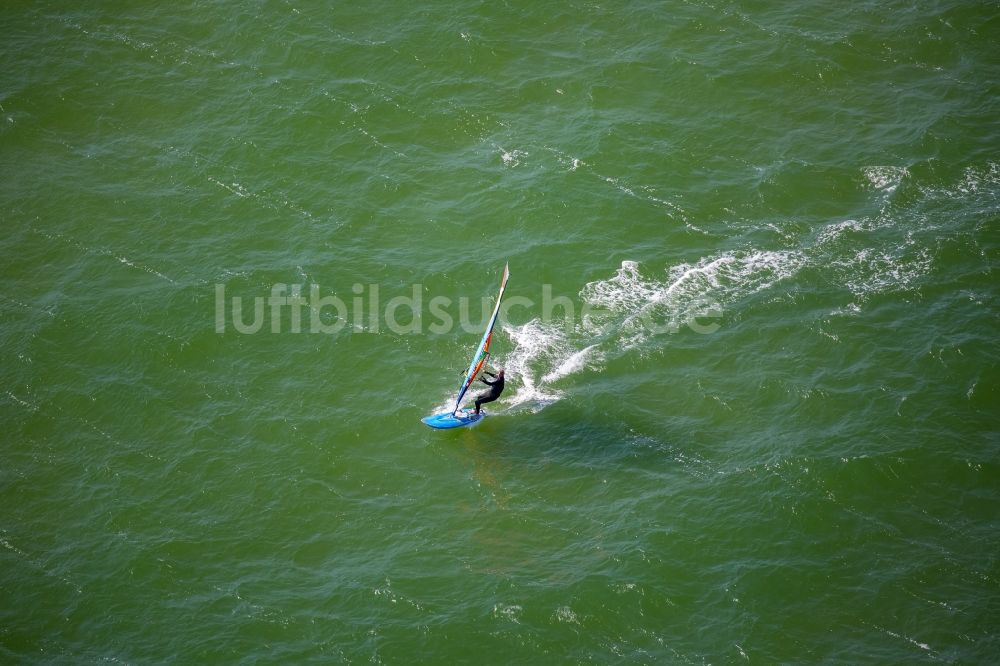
{"x":489,"y":396}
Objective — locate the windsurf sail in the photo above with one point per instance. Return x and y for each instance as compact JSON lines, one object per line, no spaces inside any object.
{"x":483,"y":351}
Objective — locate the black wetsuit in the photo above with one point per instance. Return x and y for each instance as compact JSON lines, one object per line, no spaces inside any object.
{"x":496,"y":388}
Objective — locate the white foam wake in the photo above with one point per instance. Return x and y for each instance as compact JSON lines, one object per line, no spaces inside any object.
{"x":627,"y":311}
{"x":641,"y":307}
{"x":539,"y":351}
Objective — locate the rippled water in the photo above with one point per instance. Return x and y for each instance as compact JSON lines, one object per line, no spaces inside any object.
{"x":751,"y":333}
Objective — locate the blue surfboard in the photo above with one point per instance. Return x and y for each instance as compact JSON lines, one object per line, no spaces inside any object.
{"x":464,"y":417}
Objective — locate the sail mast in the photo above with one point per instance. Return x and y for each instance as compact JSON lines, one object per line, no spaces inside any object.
{"x":482,"y":351}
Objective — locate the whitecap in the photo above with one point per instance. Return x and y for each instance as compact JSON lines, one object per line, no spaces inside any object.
{"x":885,"y":178}
{"x":834,"y":231}
{"x":512,"y":158}
{"x":565,"y":614}
{"x":870,"y":272}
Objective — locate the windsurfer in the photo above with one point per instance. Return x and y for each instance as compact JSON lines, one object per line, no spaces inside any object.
{"x":496,"y":388}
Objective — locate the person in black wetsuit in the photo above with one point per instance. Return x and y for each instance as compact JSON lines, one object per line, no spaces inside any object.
{"x":496,"y":388}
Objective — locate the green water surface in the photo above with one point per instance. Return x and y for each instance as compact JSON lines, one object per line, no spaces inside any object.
{"x":767,"y":434}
